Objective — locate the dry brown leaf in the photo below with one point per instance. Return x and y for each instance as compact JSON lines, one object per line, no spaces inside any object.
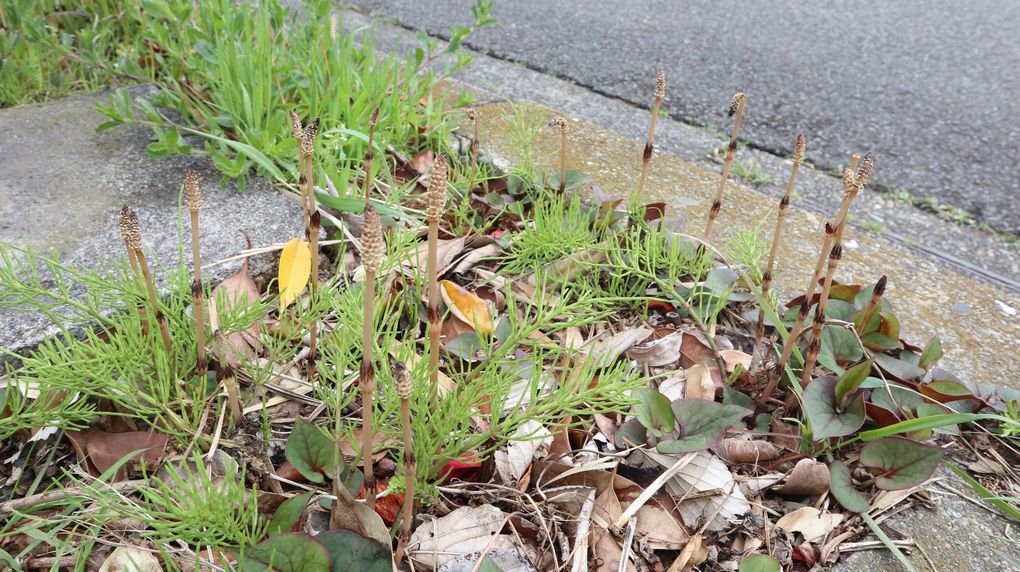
{"x":349,"y":514}
{"x":465,"y":530}
{"x":422,"y":161}
{"x":657,"y":353}
{"x":468,"y":261}
{"x":704,"y":473}
{"x":674,"y":386}
{"x":656,"y":525}
{"x":808,"y":478}
{"x":700,"y":384}
{"x":103,"y":450}
{"x":446,"y":252}
{"x":531,"y":440}
{"x":606,"y":350}
{"x":695,"y":552}
{"x":695,"y":349}
{"x":130,"y":559}
{"x":467,"y":307}
{"x":733,"y":357}
{"x":233,"y":295}
{"x":607,"y":551}
{"x":810,"y":522}
{"x":737,"y":451}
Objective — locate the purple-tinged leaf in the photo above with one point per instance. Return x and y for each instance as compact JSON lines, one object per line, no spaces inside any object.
{"x":827,"y":420}
{"x":903,"y":463}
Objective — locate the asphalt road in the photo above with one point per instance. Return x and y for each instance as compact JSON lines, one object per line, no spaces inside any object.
{"x":931,"y":88}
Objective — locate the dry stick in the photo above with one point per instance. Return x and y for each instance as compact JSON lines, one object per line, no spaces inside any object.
{"x":373,"y":251}
{"x":436,"y":200}
{"x":646,"y":157}
{"x":869,"y":310}
{"x":737,"y":109}
{"x":766,"y":280}
{"x":562,"y":124}
{"x":404,"y":388}
{"x":131,"y":231}
{"x":193,"y":200}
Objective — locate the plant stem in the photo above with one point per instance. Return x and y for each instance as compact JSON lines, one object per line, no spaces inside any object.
{"x":737,"y":109}
{"x":193,"y":198}
{"x":646,"y":156}
{"x":164,"y":330}
{"x":473,"y":116}
{"x":434,"y":209}
{"x":815,"y":345}
{"x":562,"y":124}
{"x":869,"y":310}
{"x":784,"y":203}
{"x":405,"y":388}
{"x":373,"y":251}
{"x":312,"y":225}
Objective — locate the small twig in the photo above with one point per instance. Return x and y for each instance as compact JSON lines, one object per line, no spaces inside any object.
{"x":580,"y":560}
{"x":11,"y":506}
{"x":628,"y":540}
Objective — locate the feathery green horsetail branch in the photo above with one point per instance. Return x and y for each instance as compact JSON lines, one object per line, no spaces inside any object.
{"x":766,"y":281}
{"x":131,"y":232}
{"x":646,"y":157}
{"x":435,"y":203}
{"x":373,"y":253}
{"x":737,"y":110}
{"x":562,"y":124}
{"x":193,"y":200}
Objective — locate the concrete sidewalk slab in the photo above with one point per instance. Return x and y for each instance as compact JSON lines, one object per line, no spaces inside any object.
{"x":62,"y":186}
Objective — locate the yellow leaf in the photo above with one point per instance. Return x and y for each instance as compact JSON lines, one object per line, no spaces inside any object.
{"x":295,"y":268}
{"x":467,"y":307}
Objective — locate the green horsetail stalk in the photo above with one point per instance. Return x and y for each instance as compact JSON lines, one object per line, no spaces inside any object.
{"x":131,"y":232}
{"x":373,"y":253}
{"x":435,"y":203}
{"x":736,"y":109}
{"x":869,"y":310}
{"x":562,"y":124}
{"x":404,"y":388}
{"x":646,"y":156}
{"x":784,"y":203}
{"x":193,"y":200}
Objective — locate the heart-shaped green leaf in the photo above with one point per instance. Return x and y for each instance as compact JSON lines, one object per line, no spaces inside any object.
{"x":759,"y":563}
{"x":899,"y":368}
{"x":654,"y":411}
{"x":825,"y":417}
{"x":904,"y":463}
{"x":946,"y":391}
{"x":294,"y":552}
{"x":851,"y":380}
{"x":702,"y":424}
{"x":310,"y":451}
{"x":349,"y":551}
{"x":843,"y":489}
{"x":286,"y":518}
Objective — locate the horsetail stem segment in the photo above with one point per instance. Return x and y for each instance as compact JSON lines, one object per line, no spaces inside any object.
{"x":435,"y":202}
{"x":784,"y":203}
{"x":131,"y":232}
{"x":404,"y":388}
{"x":372,"y":120}
{"x":135,"y":270}
{"x":314,"y":225}
{"x":473,"y":117}
{"x":802,"y":313}
{"x":562,"y":124}
{"x":646,"y":157}
{"x":193,"y":200}
{"x":373,"y":252}
{"x":736,"y":109}
{"x":306,"y":151}
{"x":815,"y":344}
{"x":869,"y":310}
